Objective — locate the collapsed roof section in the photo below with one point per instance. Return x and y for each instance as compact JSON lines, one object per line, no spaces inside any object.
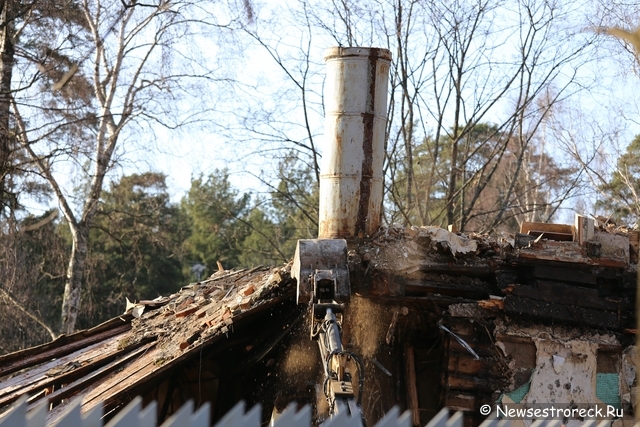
{"x":134,"y":353}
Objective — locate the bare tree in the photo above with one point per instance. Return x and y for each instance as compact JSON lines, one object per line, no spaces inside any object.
{"x":457,"y":66}
{"x":472,"y":80}
{"x":275,"y":122}
{"x":131,"y":73}
{"x":31,"y":257}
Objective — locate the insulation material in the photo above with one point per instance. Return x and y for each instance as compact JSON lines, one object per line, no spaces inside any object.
{"x":613,"y":245}
{"x":558,"y":362}
{"x":564,"y":334}
{"x":456,"y":244}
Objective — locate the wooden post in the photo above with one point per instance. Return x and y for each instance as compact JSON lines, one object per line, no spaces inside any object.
{"x":412,"y":391}
{"x":584,"y":229}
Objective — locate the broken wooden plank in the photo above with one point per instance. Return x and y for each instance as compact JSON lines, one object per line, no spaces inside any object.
{"x":492,"y":304}
{"x":207,"y":309}
{"x":133,"y":366}
{"x":460,"y":402}
{"x":466,"y":364}
{"x":584,"y":228}
{"x":128,"y":379}
{"x":547,"y":229}
{"x":85,"y":375}
{"x":212,"y":320}
{"x":253,"y":270}
{"x":25,"y":382}
{"x":411,"y":384}
{"x":215,"y":278}
{"x":187,"y":311}
{"x":550,"y":311}
{"x":155,"y":303}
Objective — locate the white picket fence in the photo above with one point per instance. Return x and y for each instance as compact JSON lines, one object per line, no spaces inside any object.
{"x":134,"y":416}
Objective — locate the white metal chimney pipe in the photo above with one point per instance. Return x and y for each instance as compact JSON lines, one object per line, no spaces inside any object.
{"x":355,"y":125}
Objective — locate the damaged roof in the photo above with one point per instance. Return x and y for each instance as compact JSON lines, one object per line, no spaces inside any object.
{"x":110,"y":360}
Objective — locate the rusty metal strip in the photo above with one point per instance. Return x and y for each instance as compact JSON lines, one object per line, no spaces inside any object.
{"x":367,"y":145}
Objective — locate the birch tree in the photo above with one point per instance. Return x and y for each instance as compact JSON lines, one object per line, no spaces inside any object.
{"x":133,"y":76}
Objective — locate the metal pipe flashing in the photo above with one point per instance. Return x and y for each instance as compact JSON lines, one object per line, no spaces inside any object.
{"x":355,"y":125}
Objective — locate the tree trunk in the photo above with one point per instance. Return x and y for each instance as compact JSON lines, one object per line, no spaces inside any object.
{"x":6,"y":69}
{"x":75,"y":276}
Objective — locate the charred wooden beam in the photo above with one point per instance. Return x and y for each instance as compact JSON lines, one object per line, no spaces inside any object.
{"x":550,"y":311}
{"x":571,"y":295}
{"x":441,"y":284}
{"x":572,"y":253}
{"x":506,"y":277}
{"x":570,"y":275}
{"x":412,"y":390}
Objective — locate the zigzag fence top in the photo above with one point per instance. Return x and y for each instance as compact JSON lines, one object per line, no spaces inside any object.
{"x":134,"y":416}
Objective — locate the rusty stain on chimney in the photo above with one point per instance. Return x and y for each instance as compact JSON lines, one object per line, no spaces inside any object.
{"x":351,"y":172}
